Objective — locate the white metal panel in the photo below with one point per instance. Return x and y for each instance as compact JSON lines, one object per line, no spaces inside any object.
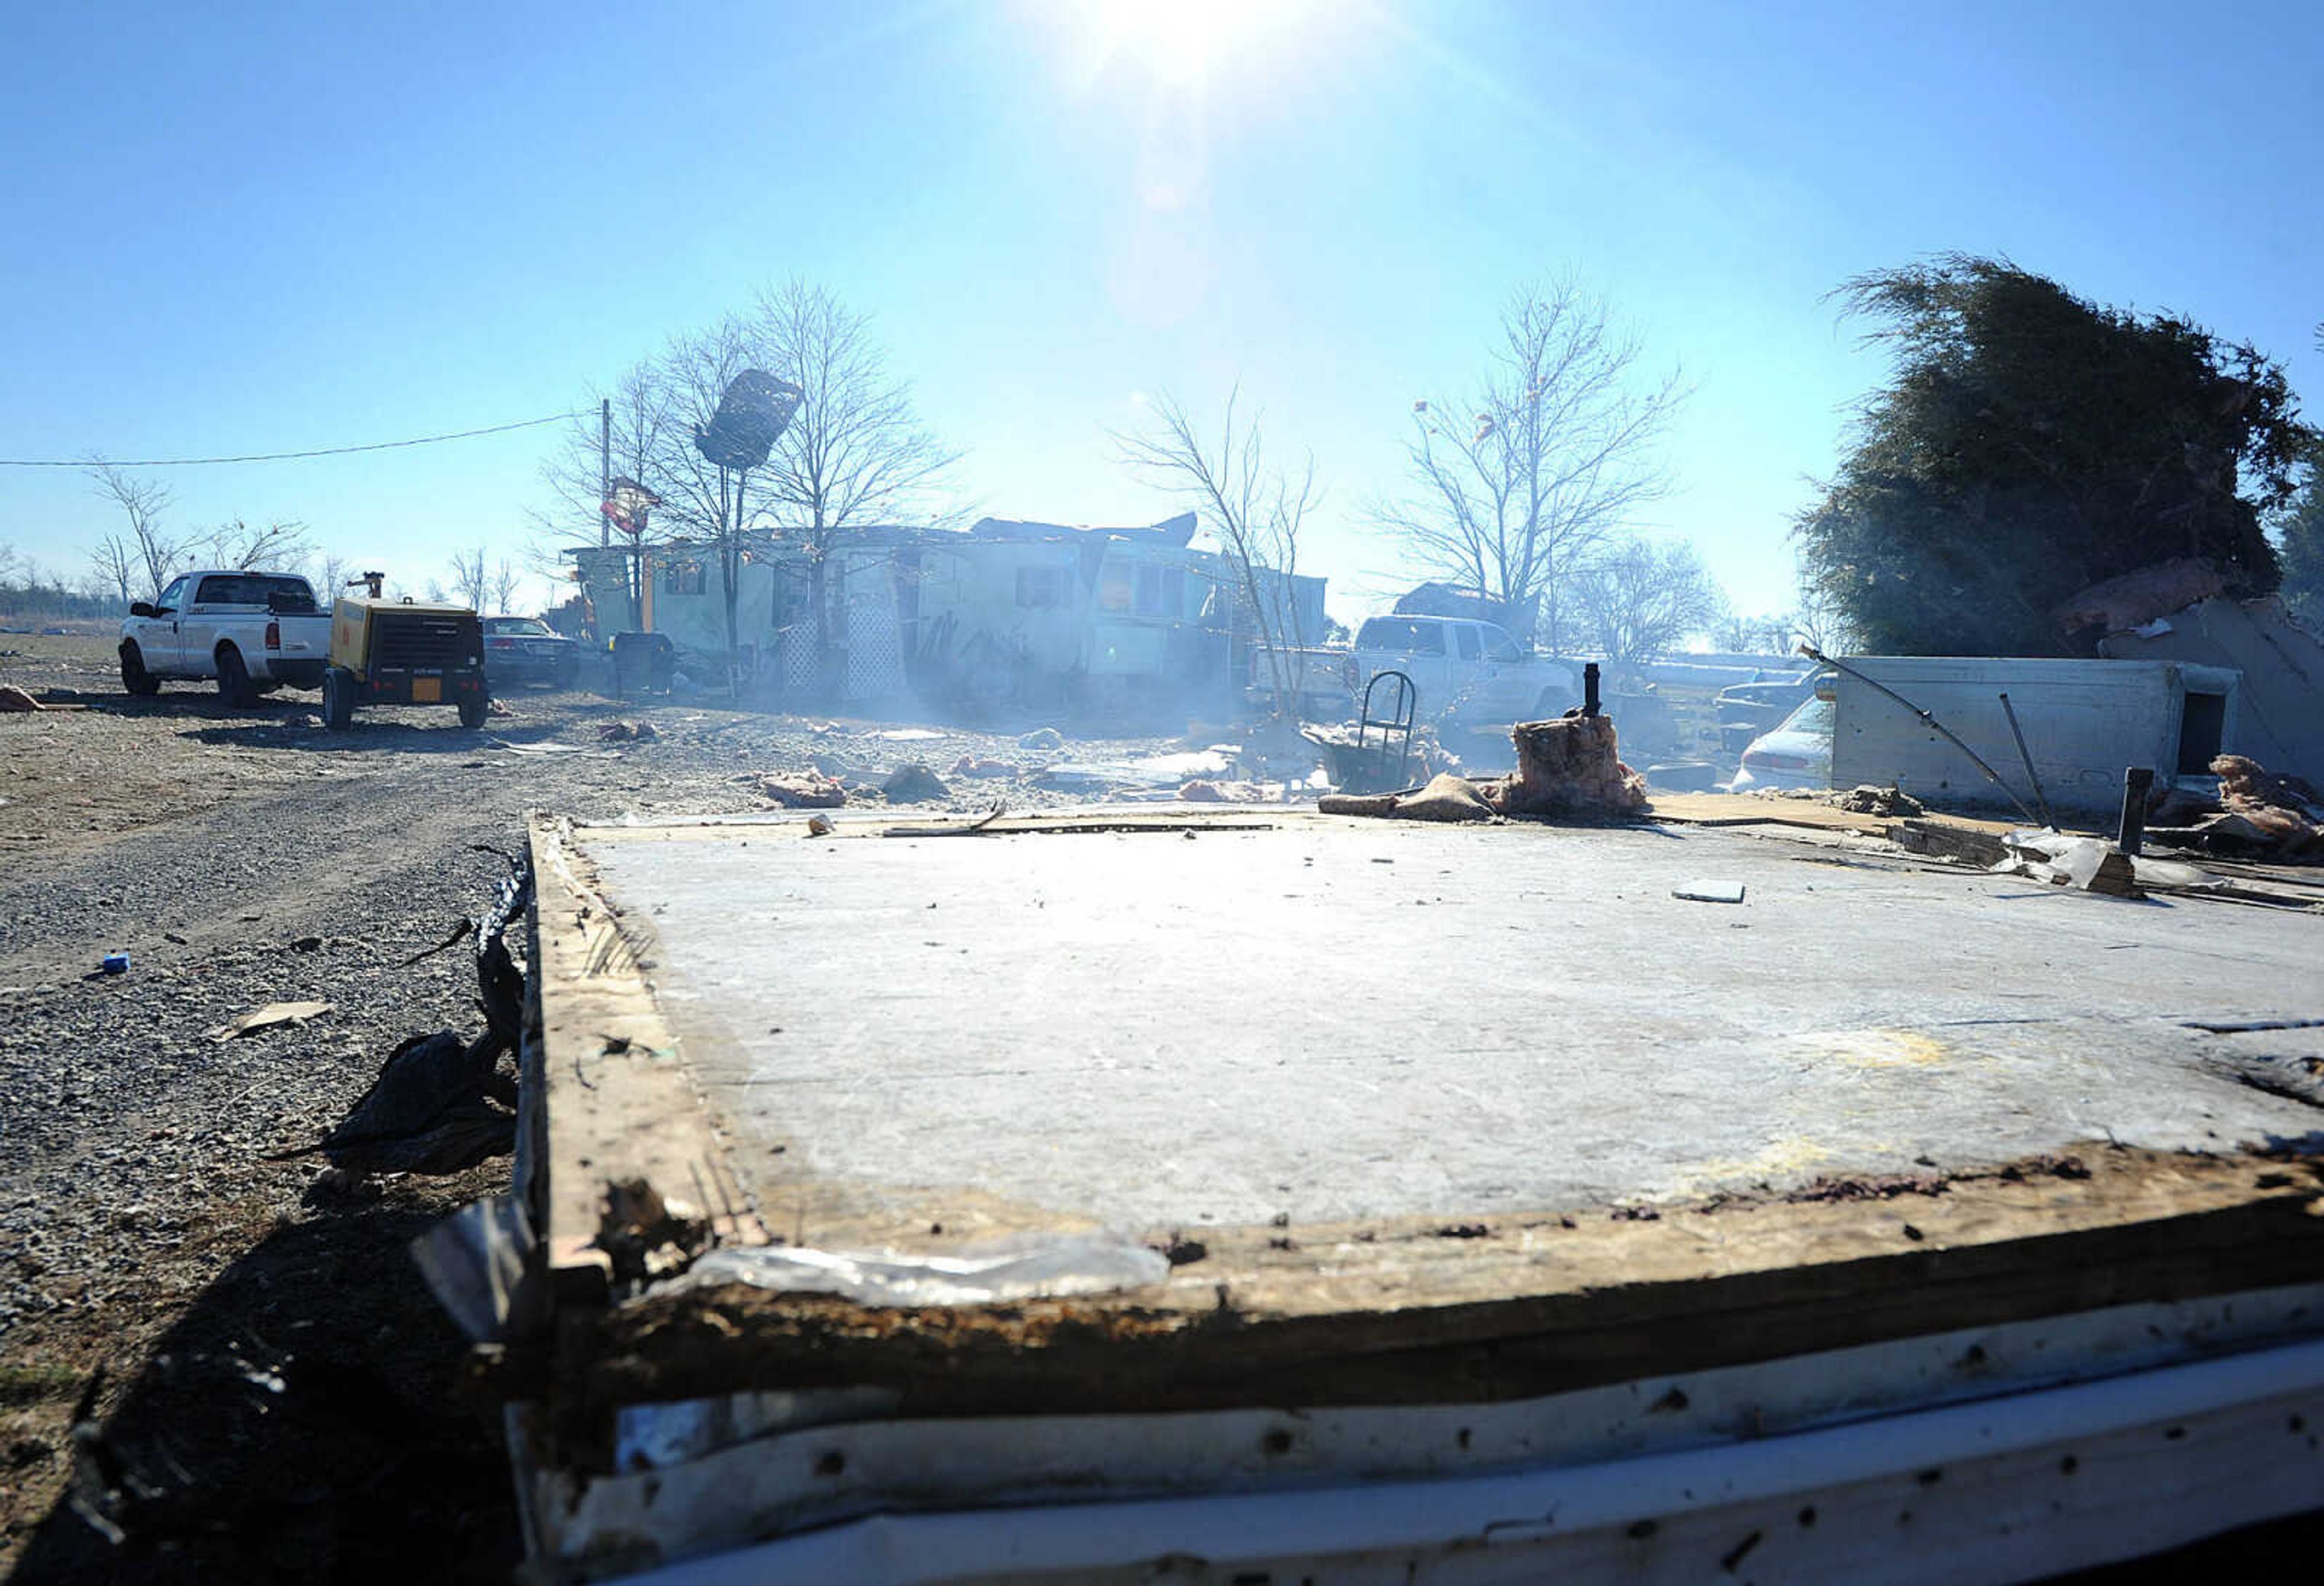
{"x":2003,"y":1490}
{"x":2084,"y":722}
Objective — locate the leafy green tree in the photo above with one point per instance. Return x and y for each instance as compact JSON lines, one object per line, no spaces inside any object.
{"x":2031,"y":443}
{"x":2300,"y":530}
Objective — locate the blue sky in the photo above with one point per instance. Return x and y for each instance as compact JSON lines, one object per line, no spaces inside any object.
{"x":265,"y":228}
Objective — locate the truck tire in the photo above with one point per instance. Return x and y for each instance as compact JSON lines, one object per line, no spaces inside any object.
{"x":233,"y":678}
{"x":339,"y":698}
{"x":135,"y":678}
{"x":474,"y":709}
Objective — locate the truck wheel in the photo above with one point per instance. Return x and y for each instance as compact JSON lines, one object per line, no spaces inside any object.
{"x":233,"y":676}
{"x":473,"y":708}
{"x":339,"y":698}
{"x":135,"y":678}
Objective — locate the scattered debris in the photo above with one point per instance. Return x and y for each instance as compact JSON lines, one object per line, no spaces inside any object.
{"x":626,"y":732}
{"x":267,"y":1017}
{"x":969,"y":765}
{"x":914,"y":784}
{"x":818,"y":825}
{"x":1710,"y":893}
{"x":803,"y":791}
{"x":909,"y":735}
{"x":14,"y":699}
{"x":114,"y":962}
{"x":648,"y":1236}
{"x":2139,"y":596}
{"x":2091,"y":864}
{"x":1042,"y":738}
{"x":1446,"y":798}
{"x":1868,"y":799}
{"x":2288,"y":811}
{"x":1203,"y":791}
{"x":494,"y":707}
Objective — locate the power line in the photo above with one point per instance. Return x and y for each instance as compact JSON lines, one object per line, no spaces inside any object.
{"x":326,"y":451}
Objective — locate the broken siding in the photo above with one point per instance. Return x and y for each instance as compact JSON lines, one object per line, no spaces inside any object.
{"x":2281,"y":719}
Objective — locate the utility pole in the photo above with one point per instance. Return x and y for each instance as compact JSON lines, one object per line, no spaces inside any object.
{"x":604,"y":470}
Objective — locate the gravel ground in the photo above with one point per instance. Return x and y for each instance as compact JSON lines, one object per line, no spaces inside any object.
{"x":274,"y":1377}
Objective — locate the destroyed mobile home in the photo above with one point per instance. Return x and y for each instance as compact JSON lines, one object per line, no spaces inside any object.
{"x":1024,"y":1198}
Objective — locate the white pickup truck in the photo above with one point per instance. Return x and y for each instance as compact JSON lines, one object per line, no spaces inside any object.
{"x":254,"y":632}
{"x":1470,"y":671}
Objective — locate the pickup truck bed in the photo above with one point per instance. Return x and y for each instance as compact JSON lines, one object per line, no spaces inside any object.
{"x":1481,"y":1229}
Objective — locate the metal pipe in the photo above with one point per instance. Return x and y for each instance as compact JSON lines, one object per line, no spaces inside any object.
{"x":2027,"y":761}
{"x":1590,"y":689}
{"x":1818,"y":655}
{"x":2136,"y":781}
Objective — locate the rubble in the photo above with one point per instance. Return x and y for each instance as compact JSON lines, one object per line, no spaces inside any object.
{"x":2288,"y":810}
{"x":1202,"y":790}
{"x":970,"y":765}
{"x":803,"y":790}
{"x":914,"y":784}
{"x":1868,"y":799}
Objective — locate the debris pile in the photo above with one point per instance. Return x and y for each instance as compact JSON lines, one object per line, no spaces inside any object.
{"x":626,"y":732}
{"x":969,"y":765}
{"x":1570,"y":766}
{"x":1566,"y":767}
{"x":2288,"y":811}
{"x":1868,"y":799}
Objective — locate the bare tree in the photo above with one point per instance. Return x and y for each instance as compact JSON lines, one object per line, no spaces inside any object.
{"x":1513,"y":488}
{"x":238,"y":545}
{"x":505,"y":580}
{"x":330,"y":577}
{"x":116,"y":566}
{"x":153,"y":549}
{"x":472,"y":580}
{"x":1256,"y":511}
{"x":853,"y":455}
{"x":1638,"y":600}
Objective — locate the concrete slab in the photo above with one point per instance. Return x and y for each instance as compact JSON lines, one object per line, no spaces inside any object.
{"x":1336,"y":1021}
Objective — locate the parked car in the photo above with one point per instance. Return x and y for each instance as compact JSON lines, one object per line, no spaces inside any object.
{"x":526,"y":650}
{"x":1796,"y":754}
{"x":1471,"y":671}
{"x":253,"y":632}
{"x":1746,"y":711}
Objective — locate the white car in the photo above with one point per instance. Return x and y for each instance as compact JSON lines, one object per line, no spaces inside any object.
{"x":1471,"y":671}
{"x":1797,"y":754}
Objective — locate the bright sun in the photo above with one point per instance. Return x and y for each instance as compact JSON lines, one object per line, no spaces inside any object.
{"x":1183,"y":44}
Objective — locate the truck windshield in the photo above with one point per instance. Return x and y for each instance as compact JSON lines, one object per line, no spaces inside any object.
{"x":261,"y":589}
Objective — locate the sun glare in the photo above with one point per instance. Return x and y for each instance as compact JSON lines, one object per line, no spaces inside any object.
{"x":1186,"y":43}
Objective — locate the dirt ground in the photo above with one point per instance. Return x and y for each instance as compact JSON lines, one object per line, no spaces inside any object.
{"x":273,"y":1393}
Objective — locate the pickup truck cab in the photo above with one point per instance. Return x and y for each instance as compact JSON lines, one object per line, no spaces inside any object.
{"x":1468,"y":670}
{"x":250,"y":632}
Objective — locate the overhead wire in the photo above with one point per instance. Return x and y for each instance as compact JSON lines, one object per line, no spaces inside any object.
{"x":326,"y":451}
